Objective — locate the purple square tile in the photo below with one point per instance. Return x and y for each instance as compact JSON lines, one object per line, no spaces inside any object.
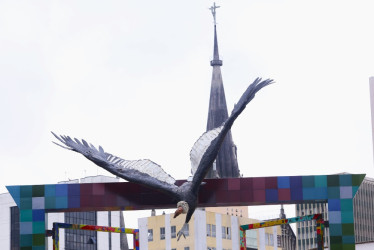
{"x":246,"y":183}
{"x":233,"y":196}
{"x":86,"y":189}
{"x":284,"y":194}
{"x":271,"y":182}
{"x":98,"y":188}
{"x":258,"y":183}
{"x":233,"y":184}
{"x":222,"y":196}
{"x":259,"y":196}
{"x":246,"y":196}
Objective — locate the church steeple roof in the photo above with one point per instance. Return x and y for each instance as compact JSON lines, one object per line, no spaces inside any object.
{"x":226,"y":164}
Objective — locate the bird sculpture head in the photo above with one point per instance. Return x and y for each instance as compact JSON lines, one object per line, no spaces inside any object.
{"x":182,"y":208}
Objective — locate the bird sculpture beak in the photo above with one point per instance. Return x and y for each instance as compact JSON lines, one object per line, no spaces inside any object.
{"x":178,"y":211}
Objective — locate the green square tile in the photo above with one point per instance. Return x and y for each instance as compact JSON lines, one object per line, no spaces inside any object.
{"x":347,"y":217}
{"x":348,"y":229}
{"x":38,"y":227}
{"x":26,"y":203}
{"x":333,"y":192}
{"x":50,"y":202}
{"x":354,"y":190}
{"x":308,"y":181}
{"x":336,"y":240}
{"x":25,"y":240}
{"x":346,"y":205}
{"x":26,"y":191}
{"x":38,"y":239}
{"x":25,"y":215}
{"x":347,"y":246}
{"x":336,"y":246}
{"x":320,"y":180}
{"x":38,"y":191}
{"x":345,"y":180}
{"x":333,"y":180}
{"x":357,"y":179}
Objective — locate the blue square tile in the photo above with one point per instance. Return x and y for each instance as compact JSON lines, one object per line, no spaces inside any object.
{"x":348,"y":239}
{"x":319,"y":193}
{"x":271,"y":195}
{"x":296,"y":182}
{"x":284,"y":182}
{"x":297,"y":194}
{"x":334,"y":205}
{"x":345,"y":180}
{"x":61,"y":202}
{"x":14,"y":191}
{"x":37,"y":202}
{"x":74,"y":201}
{"x":25,"y":227}
{"x":38,"y":215}
{"x":335,"y":217}
{"x":336,"y":229}
{"x":346,"y":192}
{"x":62,"y":190}
{"x":50,"y":190}
{"x":74,"y":189}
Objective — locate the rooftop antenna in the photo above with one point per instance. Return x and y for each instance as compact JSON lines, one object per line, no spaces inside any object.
{"x":213,"y":10}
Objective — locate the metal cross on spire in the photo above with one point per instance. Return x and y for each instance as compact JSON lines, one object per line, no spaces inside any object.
{"x":213,"y":10}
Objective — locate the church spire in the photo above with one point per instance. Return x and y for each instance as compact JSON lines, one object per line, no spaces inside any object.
{"x":216,"y":61}
{"x":226,"y":164}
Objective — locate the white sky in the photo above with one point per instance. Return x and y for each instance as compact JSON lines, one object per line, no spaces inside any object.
{"x":134,"y":77}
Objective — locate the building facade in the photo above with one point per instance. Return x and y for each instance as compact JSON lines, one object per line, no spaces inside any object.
{"x":69,"y":239}
{"x":363,"y":207}
{"x":206,"y":230}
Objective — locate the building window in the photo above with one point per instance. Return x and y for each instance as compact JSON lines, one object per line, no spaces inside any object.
{"x":173,"y":232}
{"x":150,"y":234}
{"x":80,"y":239}
{"x":223,"y":232}
{"x":251,"y":238}
{"x":214,"y":231}
{"x":208,"y":230}
{"x":162,"y":233}
{"x":14,"y":228}
{"x":186,"y":248}
{"x":229,"y":233}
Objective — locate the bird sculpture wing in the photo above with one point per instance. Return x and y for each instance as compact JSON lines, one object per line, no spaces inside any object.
{"x":144,"y":172}
{"x":206,"y":148}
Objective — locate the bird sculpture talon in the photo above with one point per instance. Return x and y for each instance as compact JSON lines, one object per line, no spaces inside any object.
{"x":182,"y":231}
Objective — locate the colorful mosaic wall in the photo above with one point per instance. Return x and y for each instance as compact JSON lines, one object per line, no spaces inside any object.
{"x":338,"y":190}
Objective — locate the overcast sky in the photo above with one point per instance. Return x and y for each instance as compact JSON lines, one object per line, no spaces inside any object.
{"x":134,"y":77}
